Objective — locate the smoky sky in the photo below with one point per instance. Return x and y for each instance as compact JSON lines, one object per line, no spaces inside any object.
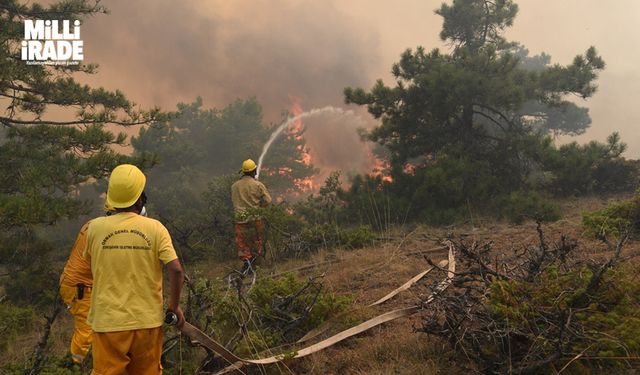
{"x":162,"y":52}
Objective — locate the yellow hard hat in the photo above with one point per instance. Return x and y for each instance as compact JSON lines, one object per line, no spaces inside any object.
{"x":248,"y":166}
{"x":126,"y":184}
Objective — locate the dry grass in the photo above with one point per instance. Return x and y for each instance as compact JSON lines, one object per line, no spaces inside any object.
{"x":368,"y":274}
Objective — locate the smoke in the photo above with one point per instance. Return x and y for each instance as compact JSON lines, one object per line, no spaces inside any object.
{"x":569,"y":28}
{"x":333,"y":143}
{"x":161,"y":52}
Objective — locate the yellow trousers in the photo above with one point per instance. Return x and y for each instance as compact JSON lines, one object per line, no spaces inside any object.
{"x":135,"y":352}
{"x":79,"y":308}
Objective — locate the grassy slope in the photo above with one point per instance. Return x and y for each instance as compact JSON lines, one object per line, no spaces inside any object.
{"x":368,"y":274}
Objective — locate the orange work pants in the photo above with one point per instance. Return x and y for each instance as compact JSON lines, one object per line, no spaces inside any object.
{"x":135,"y":352}
{"x":250,"y":239}
{"x":79,"y":308}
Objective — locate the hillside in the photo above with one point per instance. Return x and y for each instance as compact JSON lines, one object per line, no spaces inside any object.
{"x":365,"y":275}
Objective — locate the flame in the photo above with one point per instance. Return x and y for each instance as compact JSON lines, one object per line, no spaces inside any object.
{"x":296,"y":130}
{"x":380,"y":167}
{"x":410,"y":169}
{"x":377,"y":166}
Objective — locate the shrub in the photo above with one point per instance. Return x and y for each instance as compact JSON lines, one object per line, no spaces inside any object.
{"x":605,"y":324}
{"x":36,"y":286}
{"x":592,"y":168}
{"x":275,"y":311}
{"x":13,"y":320}
{"x":292,"y":307}
{"x":330,"y":236}
{"x":519,"y":206}
{"x":617,"y":218}
{"x":540,"y":310}
{"x":442,"y":191}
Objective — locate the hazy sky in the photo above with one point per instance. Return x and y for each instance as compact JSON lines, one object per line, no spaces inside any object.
{"x":161,"y":52}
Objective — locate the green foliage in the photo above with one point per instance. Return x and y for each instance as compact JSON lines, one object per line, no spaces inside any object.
{"x":274,"y":312}
{"x":43,"y":168}
{"x":614,"y":220}
{"x":322,"y":208}
{"x":283,"y":228}
{"x":466,"y":129}
{"x":198,"y":152}
{"x":467,"y":101}
{"x":42,"y":161}
{"x":442,"y":191}
{"x":561,"y":117}
{"x":592,"y":168}
{"x":290,"y":236}
{"x":465,"y":22}
{"x":53,"y":366}
{"x":519,"y":206}
{"x":540,"y":309}
{"x":609,"y":319}
{"x":13,"y":321}
{"x":372,"y":201}
{"x":271,"y":297}
{"x":214,"y":142}
{"x":45,"y":163}
{"x":329,"y":236}
{"x":35,"y":286}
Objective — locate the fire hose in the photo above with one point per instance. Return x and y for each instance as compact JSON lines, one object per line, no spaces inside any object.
{"x":236,"y":362}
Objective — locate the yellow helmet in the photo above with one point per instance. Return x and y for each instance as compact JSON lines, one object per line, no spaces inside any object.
{"x":126,"y":184}
{"x":248,"y":166}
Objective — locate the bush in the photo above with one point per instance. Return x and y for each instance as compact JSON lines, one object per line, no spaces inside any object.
{"x":607,"y":322}
{"x":13,"y":320}
{"x":330,"y":236}
{"x":519,"y":206}
{"x":36,"y":286}
{"x":540,"y":310}
{"x":617,"y":218}
{"x":291,"y":307}
{"x":275,"y":311}
{"x":53,"y":366}
{"x":442,"y":191}
{"x":371,"y":201}
{"x":592,"y":168}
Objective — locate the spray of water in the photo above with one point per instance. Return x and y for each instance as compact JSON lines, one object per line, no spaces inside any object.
{"x":291,"y":120}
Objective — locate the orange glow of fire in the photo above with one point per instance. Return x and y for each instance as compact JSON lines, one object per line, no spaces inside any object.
{"x":296,"y":130}
{"x":380,"y":167}
{"x":410,"y":169}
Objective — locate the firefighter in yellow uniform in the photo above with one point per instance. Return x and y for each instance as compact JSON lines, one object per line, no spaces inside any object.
{"x":248,"y":194}
{"x":75,"y":290}
{"x":126,"y":250}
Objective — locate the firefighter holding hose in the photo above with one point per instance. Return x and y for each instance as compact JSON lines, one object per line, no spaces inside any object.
{"x":249,"y":195}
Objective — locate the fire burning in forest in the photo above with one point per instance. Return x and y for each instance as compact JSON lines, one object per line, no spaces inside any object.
{"x":296,"y":130}
{"x":323,"y":149}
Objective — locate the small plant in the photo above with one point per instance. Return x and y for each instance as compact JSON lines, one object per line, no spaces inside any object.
{"x":13,"y":320}
{"x":274,"y":312}
{"x":617,"y":218}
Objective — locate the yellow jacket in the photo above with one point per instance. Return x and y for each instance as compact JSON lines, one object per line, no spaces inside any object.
{"x":247,"y":194}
